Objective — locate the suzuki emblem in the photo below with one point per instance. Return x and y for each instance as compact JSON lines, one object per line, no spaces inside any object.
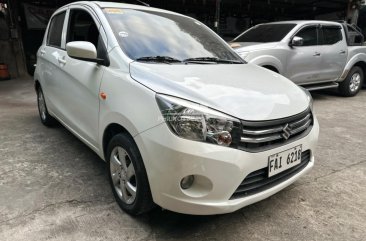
{"x":286,"y":132}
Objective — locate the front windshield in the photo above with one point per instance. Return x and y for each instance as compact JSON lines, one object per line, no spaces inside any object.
{"x":265,"y":33}
{"x":144,"y":34}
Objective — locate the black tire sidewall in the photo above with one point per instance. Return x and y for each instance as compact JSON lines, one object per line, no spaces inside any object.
{"x":49,"y":120}
{"x":143,"y":201}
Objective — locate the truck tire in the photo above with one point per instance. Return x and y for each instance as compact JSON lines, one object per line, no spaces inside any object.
{"x":353,"y":82}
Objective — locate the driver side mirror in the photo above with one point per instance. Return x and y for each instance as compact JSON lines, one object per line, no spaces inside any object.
{"x":83,"y":50}
{"x":297,"y":41}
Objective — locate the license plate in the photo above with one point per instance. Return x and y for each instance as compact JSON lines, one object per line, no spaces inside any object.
{"x":282,"y":161}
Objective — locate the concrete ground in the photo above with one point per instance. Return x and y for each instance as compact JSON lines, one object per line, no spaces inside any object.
{"x":52,"y":187}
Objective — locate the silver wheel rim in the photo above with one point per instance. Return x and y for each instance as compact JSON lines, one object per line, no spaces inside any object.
{"x":123,"y":175}
{"x":41,"y":105}
{"x":355,"y":82}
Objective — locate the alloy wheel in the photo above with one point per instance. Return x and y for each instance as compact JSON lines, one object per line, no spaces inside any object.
{"x":123,"y":175}
{"x":355,"y":82}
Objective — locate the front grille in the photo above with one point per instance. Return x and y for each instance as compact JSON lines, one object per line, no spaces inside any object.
{"x":259,"y":136}
{"x":259,"y":181}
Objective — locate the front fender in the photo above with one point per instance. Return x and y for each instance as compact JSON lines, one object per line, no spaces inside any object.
{"x":127,"y":103}
{"x":269,"y":60}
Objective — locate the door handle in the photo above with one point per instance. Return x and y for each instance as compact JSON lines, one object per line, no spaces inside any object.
{"x":342,"y":52}
{"x":61,"y":60}
{"x":43,"y":51}
{"x":316,"y":54}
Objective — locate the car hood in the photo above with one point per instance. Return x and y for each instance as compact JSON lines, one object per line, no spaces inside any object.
{"x":245,"y":91}
{"x":250,"y":46}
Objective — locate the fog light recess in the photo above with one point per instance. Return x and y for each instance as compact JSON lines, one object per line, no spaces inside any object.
{"x":187,"y":182}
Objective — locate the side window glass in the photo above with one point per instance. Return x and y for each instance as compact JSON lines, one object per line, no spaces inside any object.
{"x":309,"y":35}
{"x":331,"y":35}
{"x":82,"y":28}
{"x":55,"y":30}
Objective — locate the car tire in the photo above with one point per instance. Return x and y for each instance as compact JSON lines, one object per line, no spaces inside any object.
{"x":353,"y":82}
{"x":127,"y":175}
{"x":46,"y":118}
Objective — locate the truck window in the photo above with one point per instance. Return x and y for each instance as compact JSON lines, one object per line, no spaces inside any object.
{"x":265,"y":33}
{"x":331,"y":35}
{"x":55,"y":30}
{"x":309,"y":35}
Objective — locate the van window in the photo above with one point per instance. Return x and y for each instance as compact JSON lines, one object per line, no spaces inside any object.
{"x":55,"y":30}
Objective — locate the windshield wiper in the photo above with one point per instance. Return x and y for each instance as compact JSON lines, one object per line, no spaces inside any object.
{"x":159,"y":59}
{"x":212,"y":59}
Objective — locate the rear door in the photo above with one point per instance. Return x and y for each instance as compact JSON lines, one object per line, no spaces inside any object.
{"x":49,"y":56}
{"x":303,"y":61}
{"x":333,"y":47}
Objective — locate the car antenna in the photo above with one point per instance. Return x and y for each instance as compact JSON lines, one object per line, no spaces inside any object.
{"x":143,"y":3}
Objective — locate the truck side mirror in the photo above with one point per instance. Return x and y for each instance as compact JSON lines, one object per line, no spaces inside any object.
{"x":297,"y":41}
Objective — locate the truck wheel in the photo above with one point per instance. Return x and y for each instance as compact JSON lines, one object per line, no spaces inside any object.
{"x":127,"y":176}
{"x":353,"y":83}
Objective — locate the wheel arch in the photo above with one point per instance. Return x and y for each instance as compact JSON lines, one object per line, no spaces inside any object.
{"x":109,"y":132}
{"x":357,"y":60}
{"x":270,"y":67}
{"x":362,"y":65}
{"x":269,"y":61}
{"x":37,"y":85}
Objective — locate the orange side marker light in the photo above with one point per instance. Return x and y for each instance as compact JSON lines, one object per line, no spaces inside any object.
{"x":103,"y":95}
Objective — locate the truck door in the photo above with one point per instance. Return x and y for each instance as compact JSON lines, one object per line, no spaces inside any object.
{"x":333,"y":48}
{"x":304,"y":61}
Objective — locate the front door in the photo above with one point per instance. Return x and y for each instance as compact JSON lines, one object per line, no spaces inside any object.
{"x":303,"y":61}
{"x":80,"y":83}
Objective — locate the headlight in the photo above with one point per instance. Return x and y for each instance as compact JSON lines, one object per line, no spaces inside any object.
{"x":198,"y":123}
{"x":310,"y":98}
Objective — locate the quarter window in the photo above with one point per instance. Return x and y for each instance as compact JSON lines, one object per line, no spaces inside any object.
{"x":331,"y":35}
{"x":309,"y":35}
{"x":55,"y":30}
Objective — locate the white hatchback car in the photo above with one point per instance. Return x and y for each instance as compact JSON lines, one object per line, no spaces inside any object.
{"x":180,"y":119}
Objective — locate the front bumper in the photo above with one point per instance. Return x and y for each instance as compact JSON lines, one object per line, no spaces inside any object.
{"x":219,"y":171}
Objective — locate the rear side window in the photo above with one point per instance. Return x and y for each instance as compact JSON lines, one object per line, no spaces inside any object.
{"x":309,"y":35}
{"x":331,"y":35}
{"x":55,"y":30}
